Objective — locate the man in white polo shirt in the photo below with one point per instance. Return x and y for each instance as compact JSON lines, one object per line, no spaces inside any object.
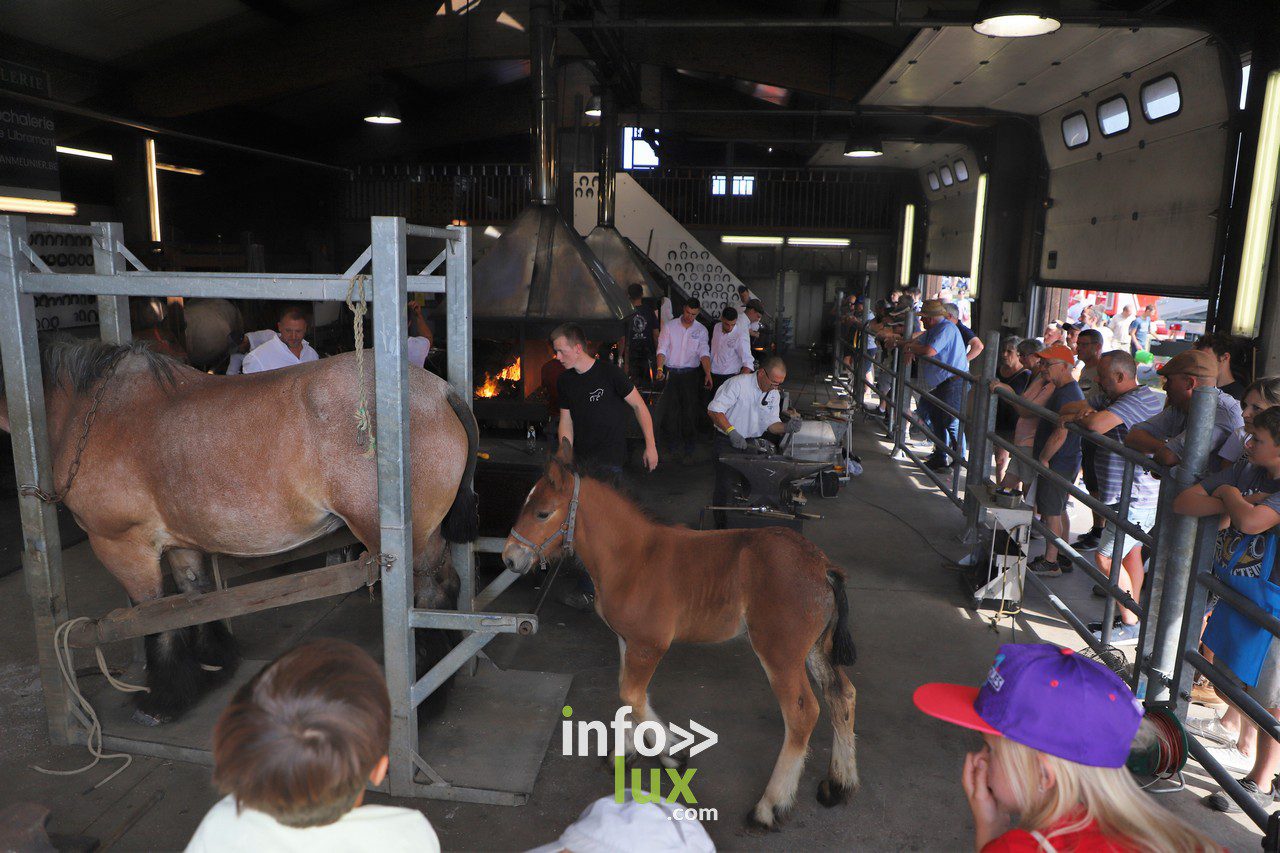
{"x":285,"y":349}
{"x":745,"y":407}
{"x":684,"y":359}
{"x":730,"y":349}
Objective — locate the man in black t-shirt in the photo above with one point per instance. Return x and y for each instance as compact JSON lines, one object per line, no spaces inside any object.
{"x":640,"y":339}
{"x":594,"y":398}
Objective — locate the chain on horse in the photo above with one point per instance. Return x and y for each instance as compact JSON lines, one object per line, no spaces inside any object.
{"x":31,"y":490}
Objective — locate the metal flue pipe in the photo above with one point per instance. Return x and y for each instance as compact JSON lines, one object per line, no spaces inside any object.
{"x":606,"y":188}
{"x":542,"y":49}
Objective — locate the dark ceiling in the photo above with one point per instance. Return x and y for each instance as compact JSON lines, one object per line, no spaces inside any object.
{"x":296,"y":76}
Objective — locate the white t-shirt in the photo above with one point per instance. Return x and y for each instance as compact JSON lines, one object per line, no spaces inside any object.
{"x":386,"y":829}
{"x":732,"y":352}
{"x":419,"y":349}
{"x":750,"y":411}
{"x":274,"y":354}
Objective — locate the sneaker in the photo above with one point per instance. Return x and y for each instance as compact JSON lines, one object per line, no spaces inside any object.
{"x":1231,"y":758}
{"x":1087,"y":542}
{"x":1212,"y":729}
{"x":578,"y":600}
{"x":1044,"y":568}
{"x":1220,"y":802}
{"x":937,"y":464}
{"x":1099,"y":592}
{"x":1065,"y":564}
{"x":1202,"y":693}
{"x":1096,"y":627}
{"x":1125,"y":635}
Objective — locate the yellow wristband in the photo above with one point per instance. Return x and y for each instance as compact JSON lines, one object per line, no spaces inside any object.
{"x":729,"y":430}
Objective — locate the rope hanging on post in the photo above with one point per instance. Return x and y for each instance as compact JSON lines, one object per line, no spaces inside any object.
{"x":359,"y":307}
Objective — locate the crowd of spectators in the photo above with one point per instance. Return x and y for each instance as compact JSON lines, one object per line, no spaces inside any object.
{"x":1088,"y":371}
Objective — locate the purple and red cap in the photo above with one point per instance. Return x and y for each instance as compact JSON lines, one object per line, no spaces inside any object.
{"x":1047,"y":698}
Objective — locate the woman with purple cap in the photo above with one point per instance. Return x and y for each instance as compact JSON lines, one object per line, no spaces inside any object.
{"x":1058,"y":728}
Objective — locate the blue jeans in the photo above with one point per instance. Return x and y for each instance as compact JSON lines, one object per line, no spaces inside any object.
{"x":951,"y":392}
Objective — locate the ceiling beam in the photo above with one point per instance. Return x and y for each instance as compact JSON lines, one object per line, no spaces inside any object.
{"x":362,"y":39}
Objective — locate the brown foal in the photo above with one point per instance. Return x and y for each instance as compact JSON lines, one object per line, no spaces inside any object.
{"x":656,"y":585}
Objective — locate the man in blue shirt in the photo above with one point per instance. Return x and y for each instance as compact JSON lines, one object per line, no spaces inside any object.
{"x":942,"y":341}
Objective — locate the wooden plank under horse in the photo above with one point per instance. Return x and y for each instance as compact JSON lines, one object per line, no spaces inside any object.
{"x":181,"y":611}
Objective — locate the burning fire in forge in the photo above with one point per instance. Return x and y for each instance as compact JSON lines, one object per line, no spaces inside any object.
{"x":492,"y":385}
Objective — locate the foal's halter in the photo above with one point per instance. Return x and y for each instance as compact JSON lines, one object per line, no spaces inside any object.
{"x":565,"y":529}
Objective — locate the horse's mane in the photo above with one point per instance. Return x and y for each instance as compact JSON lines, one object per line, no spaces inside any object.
{"x":76,"y":364}
{"x":624,"y":489}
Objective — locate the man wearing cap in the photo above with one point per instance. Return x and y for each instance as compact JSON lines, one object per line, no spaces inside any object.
{"x":730,"y":349}
{"x":1164,"y":435}
{"x":942,"y":341}
{"x":684,"y":357}
{"x":1059,"y":450}
{"x":745,"y":407}
{"x":1121,"y":404}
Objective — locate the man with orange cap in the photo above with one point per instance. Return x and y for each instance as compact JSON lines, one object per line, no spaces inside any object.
{"x":1059,"y":450}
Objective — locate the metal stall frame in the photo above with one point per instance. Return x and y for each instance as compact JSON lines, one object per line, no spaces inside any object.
{"x":23,"y":276}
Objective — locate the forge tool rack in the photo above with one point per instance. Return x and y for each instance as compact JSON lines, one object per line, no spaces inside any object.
{"x":482,"y":753}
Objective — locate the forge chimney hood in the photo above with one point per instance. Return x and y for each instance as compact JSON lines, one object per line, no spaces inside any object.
{"x":540,"y":273}
{"x":622,"y":258}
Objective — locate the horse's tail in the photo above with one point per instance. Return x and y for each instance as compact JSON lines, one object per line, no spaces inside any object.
{"x":843,"y":652}
{"x":462,"y":521}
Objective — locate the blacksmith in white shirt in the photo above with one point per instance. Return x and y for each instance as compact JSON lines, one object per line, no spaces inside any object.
{"x":684,"y":359}
{"x":745,"y":407}
{"x":285,"y":349}
{"x":730,"y":349}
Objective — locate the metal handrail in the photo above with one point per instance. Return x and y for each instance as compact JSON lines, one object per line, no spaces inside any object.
{"x":1074,"y":490}
{"x":963,"y":374}
{"x":1089,"y":435}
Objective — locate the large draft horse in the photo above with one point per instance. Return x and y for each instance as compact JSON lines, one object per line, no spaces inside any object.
{"x":657,"y":585}
{"x":178,"y":463}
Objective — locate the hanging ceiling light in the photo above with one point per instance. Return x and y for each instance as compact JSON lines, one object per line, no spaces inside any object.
{"x":1017,"y":18}
{"x":388,"y":112}
{"x":593,"y":107}
{"x":863,"y":147}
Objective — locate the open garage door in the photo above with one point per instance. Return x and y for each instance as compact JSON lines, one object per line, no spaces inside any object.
{"x":1138,"y":133}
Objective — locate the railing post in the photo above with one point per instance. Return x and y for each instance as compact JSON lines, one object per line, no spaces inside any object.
{"x":395,"y":518}
{"x":1170,"y":600}
{"x":982,"y":421}
{"x":900,"y":403}
{"x":836,"y":342}
{"x":113,"y":311}
{"x":33,"y":463}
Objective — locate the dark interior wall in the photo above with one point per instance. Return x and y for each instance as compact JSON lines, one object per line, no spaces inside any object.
{"x":290,"y":209}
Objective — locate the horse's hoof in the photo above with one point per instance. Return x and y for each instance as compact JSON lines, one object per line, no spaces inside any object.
{"x":833,"y":793}
{"x":142,"y":718}
{"x":755,"y":826}
{"x":781,"y":816}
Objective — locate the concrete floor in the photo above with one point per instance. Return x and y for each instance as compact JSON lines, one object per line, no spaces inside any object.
{"x":909,"y":622}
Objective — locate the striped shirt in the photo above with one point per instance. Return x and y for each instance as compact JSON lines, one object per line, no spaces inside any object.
{"x":1132,"y":408}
